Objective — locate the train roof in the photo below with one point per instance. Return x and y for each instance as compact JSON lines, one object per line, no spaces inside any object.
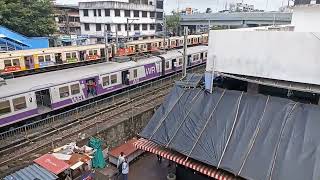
{"x":30,"y":52}
{"x":178,"y":52}
{"x":41,"y":81}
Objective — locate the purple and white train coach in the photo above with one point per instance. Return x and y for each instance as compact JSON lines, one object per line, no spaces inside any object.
{"x":25,"y":97}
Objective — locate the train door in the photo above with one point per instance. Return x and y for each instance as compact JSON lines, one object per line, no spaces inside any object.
{"x":125,"y":77}
{"x":91,"y":87}
{"x":58,"y":58}
{"x":173,"y":65}
{"x":177,"y":43}
{"x":82,"y":55}
{"x":102,"y":53}
{"x":189,"y":61}
{"x":201,"y":56}
{"x":28,"y":60}
{"x":43,"y":100}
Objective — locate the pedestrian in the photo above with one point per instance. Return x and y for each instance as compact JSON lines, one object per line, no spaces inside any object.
{"x":125,"y":169}
{"x":121,"y":159}
{"x":159,"y":158}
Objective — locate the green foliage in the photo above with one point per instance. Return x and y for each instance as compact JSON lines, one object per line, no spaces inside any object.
{"x":28,"y":17}
{"x":173,"y":22}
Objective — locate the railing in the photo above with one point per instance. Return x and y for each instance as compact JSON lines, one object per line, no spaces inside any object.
{"x":67,"y":116}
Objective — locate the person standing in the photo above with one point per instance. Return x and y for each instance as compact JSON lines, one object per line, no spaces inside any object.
{"x":121,"y":159}
{"x":125,"y":169}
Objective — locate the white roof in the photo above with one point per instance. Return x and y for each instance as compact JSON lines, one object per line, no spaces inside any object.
{"x":40,"y":81}
{"x":179,"y":52}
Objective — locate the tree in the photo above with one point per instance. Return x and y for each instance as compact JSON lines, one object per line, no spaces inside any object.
{"x":173,"y":23}
{"x":28,"y":17}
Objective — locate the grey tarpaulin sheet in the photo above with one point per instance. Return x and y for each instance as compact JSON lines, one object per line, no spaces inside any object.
{"x":253,"y":136}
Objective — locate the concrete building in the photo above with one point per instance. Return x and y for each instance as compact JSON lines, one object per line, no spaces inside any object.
{"x":133,"y":18}
{"x":67,"y":19}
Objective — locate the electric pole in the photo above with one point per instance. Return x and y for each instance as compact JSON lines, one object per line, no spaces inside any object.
{"x":185,"y":56}
{"x":164,"y":31}
{"x":106,"y":43}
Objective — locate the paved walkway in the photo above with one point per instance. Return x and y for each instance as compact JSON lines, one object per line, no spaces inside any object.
{"x":148,"y":168}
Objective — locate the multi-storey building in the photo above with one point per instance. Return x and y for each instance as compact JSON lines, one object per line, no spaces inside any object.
{"x":67,"y":19}
{"x":126,"y":18}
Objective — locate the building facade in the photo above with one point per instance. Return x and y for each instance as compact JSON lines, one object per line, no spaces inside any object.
{"x":67,"y":19}
{"x":125,"y":18}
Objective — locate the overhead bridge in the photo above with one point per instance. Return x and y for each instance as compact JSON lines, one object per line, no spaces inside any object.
{"x":236,"y":19}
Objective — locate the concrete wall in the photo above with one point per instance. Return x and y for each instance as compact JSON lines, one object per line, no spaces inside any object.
{"x":290,"y":56}
{"x":306,"y":19}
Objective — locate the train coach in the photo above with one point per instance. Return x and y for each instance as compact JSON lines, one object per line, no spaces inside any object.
{"x":25,"y":97}
{"x":40,"y":58}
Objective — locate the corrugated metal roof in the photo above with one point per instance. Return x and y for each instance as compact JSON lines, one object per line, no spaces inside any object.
{"x":32,"y":172}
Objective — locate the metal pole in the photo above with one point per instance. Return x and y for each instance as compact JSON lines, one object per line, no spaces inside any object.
{"x":127,"y":29}
{"x":164,"y":31}
{"x":106,"y":43}
{"x":185,"y":56}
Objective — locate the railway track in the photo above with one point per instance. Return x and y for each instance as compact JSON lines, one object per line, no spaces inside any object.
{"x":19,"y":153}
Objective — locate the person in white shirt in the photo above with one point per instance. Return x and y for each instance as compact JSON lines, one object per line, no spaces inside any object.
{"x":125,"y":169}
{"x":121,"y":159}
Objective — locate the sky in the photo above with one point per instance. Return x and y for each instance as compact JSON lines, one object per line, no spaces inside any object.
{"x":215,"y":5}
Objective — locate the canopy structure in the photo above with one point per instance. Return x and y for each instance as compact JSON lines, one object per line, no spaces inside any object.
{"x":32,"y":172}
{"x":251,"y":136}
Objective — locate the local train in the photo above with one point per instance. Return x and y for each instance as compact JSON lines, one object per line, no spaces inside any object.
{"x":29,"y":96}
{"x":40,"y":58}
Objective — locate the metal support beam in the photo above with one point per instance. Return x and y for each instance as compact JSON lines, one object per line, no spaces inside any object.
{"x":185,"y":55}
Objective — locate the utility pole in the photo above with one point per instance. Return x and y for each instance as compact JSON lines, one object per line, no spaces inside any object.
{"x":164,"y":31}
{"x":185,"y":56}
{"x":117,"y":39}
{"x":106,"y":43}
{"x":129,"y":25}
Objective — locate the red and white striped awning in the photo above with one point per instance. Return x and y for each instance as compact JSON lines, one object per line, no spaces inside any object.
{"x":181,"y":159}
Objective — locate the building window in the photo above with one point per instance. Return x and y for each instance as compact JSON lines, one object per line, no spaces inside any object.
{"x":75,"y":89}
{"x":94,"y":12}
{"x":85,"y":12}
{"x":125,"y":27}
{"x":5,"y":107}
{"x":159,"y":15}
{"x":87,"y":27}
{"x":106,"y":81}
{"x":98,"y":27}
{"x":159,"y":27}
{"x":127,"y":13}
{"x":159,"y":4}
{"x":119,"y":27}
{"x":136,"y":27}
{"x":108,"y":27}
{"x":180,"y":61}
{"x":152,"y":14}
{"x":117,"y":12}
{"x":144,"y":14}
{"x":19,"y":103}
{"x":136,"y":13}
{"x":114,"y":79}
{"x":135,"y":73}
{"x":152,"y":27}
{"x":107,"y":12}
{"x":144,"y":27}
{"x":99,"y":12}
{"x":64,"y":92}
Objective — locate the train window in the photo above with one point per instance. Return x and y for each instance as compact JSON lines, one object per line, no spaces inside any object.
{"x":167,"y":64}
{"x":205,"y":55}
{"x":7,"y":63}
{"x":19,"y":103}
{"x":106,"y":81}
{"x":40,"y":59}
{"x":90,"y":53}
{"x":180,"y":61}
{"x":135,"y":73}
{"x":64,"y":92}
{"x":75,"y":89}
{"x":68,"y":55}
{"x":114,"y":79}
{"x":95,"y":52}
{"x":74,"y":55}
{"x":5,"y":107}
{"x":48,"y":58}
{"x":15,"y":62}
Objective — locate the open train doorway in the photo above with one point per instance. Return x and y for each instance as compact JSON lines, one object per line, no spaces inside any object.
{"x":58,"y":58}
{"x":43,"y":101}
{"x":91,"y":87}
{"x":125,"y":77}
{"x":82,"y":55}
{"x":28,"y":61}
